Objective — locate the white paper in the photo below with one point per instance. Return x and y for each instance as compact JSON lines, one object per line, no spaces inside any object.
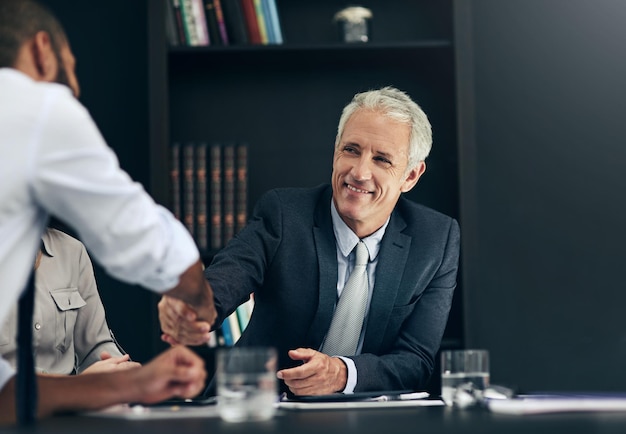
{"x":342,"y":405}
{"x":139,"y":412}
{"x":557,"y":404}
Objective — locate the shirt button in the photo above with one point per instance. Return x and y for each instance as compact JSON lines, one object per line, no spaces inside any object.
{"x":37,"y":326}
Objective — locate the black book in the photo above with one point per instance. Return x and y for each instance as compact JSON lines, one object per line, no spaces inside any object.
{"x":171,"y":26}
{"x":178,"y":19}
{"x":235,"y":22}
{"x":212,"y":24}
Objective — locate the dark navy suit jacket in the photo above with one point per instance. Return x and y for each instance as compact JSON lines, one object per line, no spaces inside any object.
{"x":286,"y":256}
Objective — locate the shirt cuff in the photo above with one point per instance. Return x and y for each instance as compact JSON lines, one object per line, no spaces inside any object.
{"x":6,"y":372}
{"x":181,"y":254}
{"x":352,"y":376}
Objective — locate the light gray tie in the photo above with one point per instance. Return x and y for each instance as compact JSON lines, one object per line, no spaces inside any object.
{"x":345,"y":328}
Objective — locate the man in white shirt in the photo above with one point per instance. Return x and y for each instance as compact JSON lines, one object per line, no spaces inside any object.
{"x":54,"y":161}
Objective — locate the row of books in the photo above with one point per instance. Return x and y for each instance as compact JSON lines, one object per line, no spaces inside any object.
{"x":222,"y":22}
{"x":233,"y":326}
{"x":210,"y":190}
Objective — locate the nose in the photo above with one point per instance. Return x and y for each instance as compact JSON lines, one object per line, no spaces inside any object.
{"x":361,"y":171}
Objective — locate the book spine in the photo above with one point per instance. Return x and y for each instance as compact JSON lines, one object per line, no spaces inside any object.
{"x":216,"y":196}
{"x":241,"y":194}
{"x":171,"y":32}
{"x":267,"y":18}
{"x":213,"y":339}
{"x":188,"y":188}
{"x":227,"y":333}
{"x":275,"y":22}
{"x":252,"y":24}
{"x":235,"y":22}
{"x":219,"y":12}
{"x":200,"y":22}
{"x":244,"y":312}
{"x":260,"y":16}
{"x":175,"y":180}
{"x":180,"y":24}
{"x":202,"y":237}
{"x":211,"y":20}
{"x":229,"y":193}
{"x":234,"y":327}
{"x":189,"y":23}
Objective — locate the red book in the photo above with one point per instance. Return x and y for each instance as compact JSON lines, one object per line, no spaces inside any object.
{"x":175,"y":181}
{"x":229,"y":193}
{"x":252,"y":23}
{"x":216,"y":196}
{"x":189,"y":211}
{"x":202,"y":236}
{"x":241,"y":189}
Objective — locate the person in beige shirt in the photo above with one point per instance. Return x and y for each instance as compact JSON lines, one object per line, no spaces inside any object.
{"x":70,"y":331}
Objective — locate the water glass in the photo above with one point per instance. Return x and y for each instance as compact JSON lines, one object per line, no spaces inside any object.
{"x":464,"y":376}
{"x":246,"y":383}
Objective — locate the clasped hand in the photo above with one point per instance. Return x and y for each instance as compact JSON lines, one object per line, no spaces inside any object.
{"x":319,"y":374}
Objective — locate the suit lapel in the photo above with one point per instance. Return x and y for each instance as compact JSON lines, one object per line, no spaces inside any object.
{"x":394,"y":252}
{"x":327,"y":259}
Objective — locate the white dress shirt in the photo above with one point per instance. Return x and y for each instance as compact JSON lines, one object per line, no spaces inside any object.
{"x":346,"y":242}
{"x":53,"y":160}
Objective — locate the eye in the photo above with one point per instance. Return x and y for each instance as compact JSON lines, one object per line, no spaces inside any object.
{"x":350,"y":149}
{"x":383,"y":160}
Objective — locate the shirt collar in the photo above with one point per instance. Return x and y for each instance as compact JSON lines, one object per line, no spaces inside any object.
{"x":47,"y":246}
{"x":347,"y":239}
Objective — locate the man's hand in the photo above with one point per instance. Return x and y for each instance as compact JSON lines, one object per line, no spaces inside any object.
{"x":108,"y":363}
{"x":180,"y":323}
{"x":178,"y":372}
{"x":319,"y":374}
{"x":195,"y":290}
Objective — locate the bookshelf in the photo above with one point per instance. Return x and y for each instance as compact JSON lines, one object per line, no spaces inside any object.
{"x":285,"y":100}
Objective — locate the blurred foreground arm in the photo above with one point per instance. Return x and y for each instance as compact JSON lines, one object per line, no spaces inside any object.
{"x":177,"y":372}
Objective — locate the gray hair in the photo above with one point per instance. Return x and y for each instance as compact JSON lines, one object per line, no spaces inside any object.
{"x":396,"y":105}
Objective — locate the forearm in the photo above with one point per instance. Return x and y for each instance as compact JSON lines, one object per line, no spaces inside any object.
{"x":64,"y":393}
{"x":190,"y":288}
{"x":94,"y":355}
{"x":80,"y":393}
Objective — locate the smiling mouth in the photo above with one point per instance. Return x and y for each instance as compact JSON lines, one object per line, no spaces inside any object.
{"x":356,"y":190}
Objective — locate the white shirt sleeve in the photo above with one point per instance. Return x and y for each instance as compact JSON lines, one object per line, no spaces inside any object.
{"x":352,"y":374}
{"x":6,"y":372}
{"x":77,"y":177}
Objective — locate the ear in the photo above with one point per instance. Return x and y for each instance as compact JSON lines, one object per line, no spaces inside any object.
{"x":46,"y":62}
{"x":413,"y":176}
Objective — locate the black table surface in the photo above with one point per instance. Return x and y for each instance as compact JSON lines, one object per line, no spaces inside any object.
{"x":363,"y":421}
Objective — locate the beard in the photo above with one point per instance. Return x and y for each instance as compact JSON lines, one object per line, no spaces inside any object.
{"x":61,"y":77}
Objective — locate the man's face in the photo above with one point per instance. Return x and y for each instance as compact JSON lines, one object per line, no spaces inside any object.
{"x":370,"y":170}
{"x":67,"y":66}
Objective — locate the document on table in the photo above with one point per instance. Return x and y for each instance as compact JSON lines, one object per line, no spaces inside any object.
{"x":362,"y":400}
{"x":559,"y":403}
{"x":140,"y":412}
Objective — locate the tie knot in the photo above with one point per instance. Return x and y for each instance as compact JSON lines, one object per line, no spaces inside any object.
{"x":362,"y":255}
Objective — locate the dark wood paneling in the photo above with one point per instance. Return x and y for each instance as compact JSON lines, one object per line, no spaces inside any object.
{"x":544,"y":282}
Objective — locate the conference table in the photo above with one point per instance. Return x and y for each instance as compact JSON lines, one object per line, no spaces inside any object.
{"x":363,"y":421}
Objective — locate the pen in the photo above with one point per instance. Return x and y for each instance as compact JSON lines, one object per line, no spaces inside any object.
{"x":117,"y":344}
{"x":402,"y":396}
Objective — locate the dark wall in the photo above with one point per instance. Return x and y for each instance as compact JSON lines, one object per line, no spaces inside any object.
{"x":544,"y":99}
{"x":109,"y":40}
